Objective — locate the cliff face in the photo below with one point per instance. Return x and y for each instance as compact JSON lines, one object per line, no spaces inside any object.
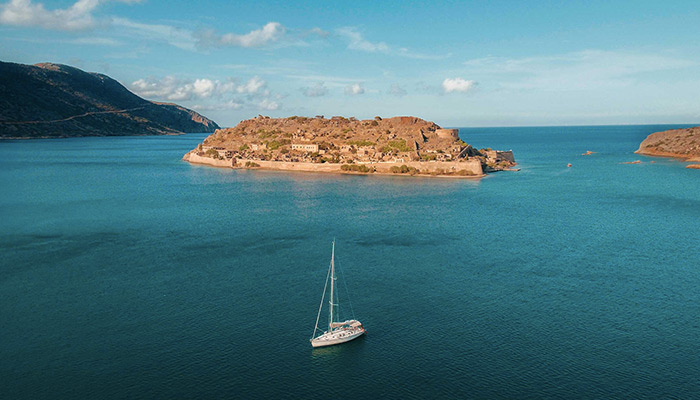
{"x":53,"y":100}
{"x":679,"y":143}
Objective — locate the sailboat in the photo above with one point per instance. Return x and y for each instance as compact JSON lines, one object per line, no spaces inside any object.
{"x":338,"y":332}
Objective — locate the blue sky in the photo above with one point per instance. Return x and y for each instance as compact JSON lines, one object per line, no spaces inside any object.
{"x":470,"y":63}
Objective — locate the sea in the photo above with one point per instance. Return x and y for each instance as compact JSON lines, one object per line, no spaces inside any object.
{"x":126,"y":273}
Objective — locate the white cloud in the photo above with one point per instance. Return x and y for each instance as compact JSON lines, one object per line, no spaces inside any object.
{"x":357,"y":42}
{"x":203,"y":88}
{"x":171,"y":88}
{"x":317,"y":90}
{"x":575,"y":71}
{"x":25,"y":13}
{"x":252,"y":86}
{"x":215,"y":95}
{"x":96,"y":41}
{"x":229,"y":105}
{"x":320,"y":32}
{"x":269,"y":105}
{"x":397,"y":90}
{"x":181,"y":38}
{"x":74,"y":18}
{"x":354,"y":89}
{"x":270,"y":33}
{"x":404,"y":52}
{"x":264,"y":104}
{"x":80,"y":16}
{"x":328,"y":80}
{"x":450,"y":85}
{"x":158,"y":89}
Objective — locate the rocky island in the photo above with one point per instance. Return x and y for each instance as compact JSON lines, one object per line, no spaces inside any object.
{"x":676,"y":143}
{"x":53,"y":101}
{"x":398,"y":145}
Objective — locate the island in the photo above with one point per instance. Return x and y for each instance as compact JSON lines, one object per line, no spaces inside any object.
{"x":677,"y":143}
{"x":396,"y":146}
{"x":56,"y":101}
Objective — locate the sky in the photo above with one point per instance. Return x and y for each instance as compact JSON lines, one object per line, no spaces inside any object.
{"x":457,"y":63}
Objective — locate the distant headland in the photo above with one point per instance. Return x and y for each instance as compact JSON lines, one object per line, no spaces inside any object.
{"x":398,"y":146}
{"x":677,"y":143}
{"x":55,"y":101}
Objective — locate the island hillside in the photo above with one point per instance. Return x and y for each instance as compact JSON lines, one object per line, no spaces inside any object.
{"x":677,"y":143}
{"x":398,"y":145}
{"x":52,"y":100}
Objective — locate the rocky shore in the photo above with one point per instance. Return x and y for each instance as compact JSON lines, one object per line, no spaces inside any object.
{"x":677,"y":143}
{"x":393,"y":146}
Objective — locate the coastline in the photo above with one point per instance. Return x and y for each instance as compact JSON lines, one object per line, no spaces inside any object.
{"x":657,"y":153}
{"x":679,"y":144}
{"x":89,"y":136}
{"x":384,"y":168}
{"x":665,"y":154}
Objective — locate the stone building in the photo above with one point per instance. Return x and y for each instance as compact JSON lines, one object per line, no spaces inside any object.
{"x":447,"y":133}
{"x":310,"y":147}
{"x":500,"y":155}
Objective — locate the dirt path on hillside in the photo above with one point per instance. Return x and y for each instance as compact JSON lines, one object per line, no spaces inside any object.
{"x":70,"y":118}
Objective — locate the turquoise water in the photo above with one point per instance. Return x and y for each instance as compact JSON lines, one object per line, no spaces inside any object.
{"x":126,"y":273}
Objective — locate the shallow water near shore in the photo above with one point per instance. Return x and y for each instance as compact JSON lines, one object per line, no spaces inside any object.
{"x":127,"y":273}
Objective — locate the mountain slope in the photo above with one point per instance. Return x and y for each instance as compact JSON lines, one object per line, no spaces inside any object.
{"x":53,"y":100}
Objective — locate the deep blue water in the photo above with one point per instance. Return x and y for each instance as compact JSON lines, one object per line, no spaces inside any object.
{"x":127,"y":273}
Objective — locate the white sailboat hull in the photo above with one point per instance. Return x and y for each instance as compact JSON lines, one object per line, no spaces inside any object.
{"x":338,"y":332}
{"x":337,"y":337}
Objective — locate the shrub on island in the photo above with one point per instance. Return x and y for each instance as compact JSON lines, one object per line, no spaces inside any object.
{"x":276,"y":144}
{"x":404,"y":169}
{"x":461,"y":172}
{"x":360,"y":143}
{"x":356,"y":168}
{"x":213,"y":154}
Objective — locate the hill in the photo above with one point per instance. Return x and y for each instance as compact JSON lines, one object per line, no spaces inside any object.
{"x":409,"y":144}
{"x":53,"y":100}
{"x":677,"y":143}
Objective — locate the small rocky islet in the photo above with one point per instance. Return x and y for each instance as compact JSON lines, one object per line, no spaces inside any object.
{"x":398,"y":145}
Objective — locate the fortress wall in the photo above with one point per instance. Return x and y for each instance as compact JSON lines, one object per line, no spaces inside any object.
{"x":196,"y":159}
{"x":426,"y":167}
{"x":448,"y":133}
{"x":291,"y":166}
{"x":506,"y":155}
{"x":473,"y":166}
{"x":501,"y":155}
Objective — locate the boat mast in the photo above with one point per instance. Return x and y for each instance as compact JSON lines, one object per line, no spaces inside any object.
{"x":323,"y":297}
{"x":330,"y":319}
